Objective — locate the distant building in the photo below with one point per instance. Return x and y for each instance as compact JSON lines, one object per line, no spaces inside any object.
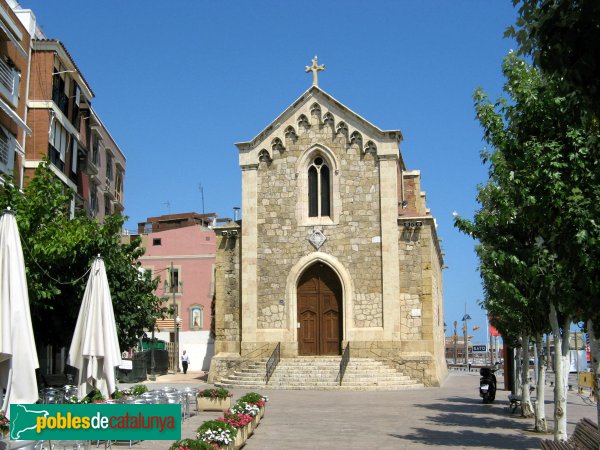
{"x":15,"y":41}
{"x":180,"y":249}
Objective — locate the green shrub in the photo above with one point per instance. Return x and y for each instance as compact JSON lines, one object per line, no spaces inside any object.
{"x":252,"y":397}
{"x":216,"y":432}
{"x":215,"y":393}
{"x":191,"y":444}
{"x":138,"y":390}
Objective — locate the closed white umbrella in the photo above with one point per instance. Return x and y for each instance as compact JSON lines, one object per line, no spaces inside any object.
{"x":18,"y":356}
{"x":95,"y":346}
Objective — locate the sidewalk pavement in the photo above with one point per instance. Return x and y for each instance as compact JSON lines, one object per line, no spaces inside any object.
{"x":451,"y":416}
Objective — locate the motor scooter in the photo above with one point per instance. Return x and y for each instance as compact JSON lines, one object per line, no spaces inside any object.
{"x":487,"y":384}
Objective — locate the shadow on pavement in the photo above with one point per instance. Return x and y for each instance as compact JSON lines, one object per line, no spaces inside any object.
{"x":488,"y":423}
{"x":464,"y":404}
{"x":468,"y":438}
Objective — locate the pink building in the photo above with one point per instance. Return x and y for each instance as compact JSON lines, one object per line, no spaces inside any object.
{"x":180,"y":249}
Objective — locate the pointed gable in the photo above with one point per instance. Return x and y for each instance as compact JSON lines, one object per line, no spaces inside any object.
{"x":315,"y":106}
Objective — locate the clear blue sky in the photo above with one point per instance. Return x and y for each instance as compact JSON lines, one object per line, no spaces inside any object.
{"x":177,"y":83}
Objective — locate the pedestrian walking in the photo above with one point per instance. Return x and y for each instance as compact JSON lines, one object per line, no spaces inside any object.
{"x":185,"y":362}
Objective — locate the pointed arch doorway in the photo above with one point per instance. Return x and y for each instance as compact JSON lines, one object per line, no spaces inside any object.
{"x":319,"y":311}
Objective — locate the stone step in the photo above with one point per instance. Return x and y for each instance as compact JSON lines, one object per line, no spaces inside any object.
{"x":378,"y":382}
{"x":326,"y":388}
{"x":321,"y":373}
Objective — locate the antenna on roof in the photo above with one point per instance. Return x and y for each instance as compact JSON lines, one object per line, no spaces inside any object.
{"x":201,"y":189}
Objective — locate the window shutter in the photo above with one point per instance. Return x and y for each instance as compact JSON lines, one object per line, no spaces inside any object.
{"x":4,"y":147}
{"x":74,"y":156}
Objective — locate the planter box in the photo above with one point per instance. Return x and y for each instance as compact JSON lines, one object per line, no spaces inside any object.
{"x":239,"y":441}
{"x":213,"y":404}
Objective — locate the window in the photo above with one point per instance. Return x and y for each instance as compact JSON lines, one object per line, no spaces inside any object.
{"x":96,"y":150}
{"x":109,"y":166}
{"x":107,"y":209}
{"x":157,"y":241}
{"x":59,"y":90}
{"x":318,"y":193}
{"x":4,"y":147}
{"x":59,"y":142}
{"x":76,"y":96}
{"x":119,"y":186}
{"x":74,"y":161}
{"x":93,"y":201}
{"x":172,"y":284}
{"x":318,"y":189}
{"x":8,"y":144}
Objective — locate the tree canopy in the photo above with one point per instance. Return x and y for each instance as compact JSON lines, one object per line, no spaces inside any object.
{"x":58,"y":252}
{"x":563,"y":37}
{"x":539,"y":211}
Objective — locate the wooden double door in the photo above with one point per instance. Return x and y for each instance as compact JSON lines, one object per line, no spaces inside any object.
{"x":319,"y":312}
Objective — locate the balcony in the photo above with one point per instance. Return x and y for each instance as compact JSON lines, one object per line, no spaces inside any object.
{"x":54,"y":156}
{"x":60,"y":98}
{"x":109,"y":190}
{"x":91,"y":167}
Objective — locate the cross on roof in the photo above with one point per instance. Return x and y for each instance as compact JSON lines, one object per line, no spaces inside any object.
{"x":315,"y":68}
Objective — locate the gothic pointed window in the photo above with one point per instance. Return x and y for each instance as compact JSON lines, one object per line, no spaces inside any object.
{"x":318,"y":189}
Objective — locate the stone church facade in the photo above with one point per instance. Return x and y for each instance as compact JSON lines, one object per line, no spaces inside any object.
{"x":335,"y":247}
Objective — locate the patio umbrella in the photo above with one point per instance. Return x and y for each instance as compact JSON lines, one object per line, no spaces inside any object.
{"x":95,"y":347}
{"x":18,"y":356}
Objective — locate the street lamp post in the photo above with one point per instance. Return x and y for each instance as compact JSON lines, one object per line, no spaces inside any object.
{"x":455,"y":338}
{"x":152,"y":360}
{"x":177,"y":325}
{"x":174,"y":286}
{"x":466,"y":319}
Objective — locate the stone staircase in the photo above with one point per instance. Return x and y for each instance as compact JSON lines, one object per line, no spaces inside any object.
{"x":321,"y":373}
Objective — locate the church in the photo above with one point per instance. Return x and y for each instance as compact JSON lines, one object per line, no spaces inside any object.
{"x":336,"y":250}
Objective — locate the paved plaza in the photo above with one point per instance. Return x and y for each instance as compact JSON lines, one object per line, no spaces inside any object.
{"x":451,"y":416}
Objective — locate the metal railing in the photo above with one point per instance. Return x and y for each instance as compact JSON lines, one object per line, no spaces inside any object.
{"x":272,"y":362}
{"x":344,"y":362}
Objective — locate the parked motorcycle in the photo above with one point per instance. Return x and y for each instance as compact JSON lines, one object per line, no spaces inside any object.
{"x":487,"y":384}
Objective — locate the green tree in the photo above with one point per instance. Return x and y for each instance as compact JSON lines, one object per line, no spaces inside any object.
{"x":546,"y":164}
{"x":563,"y":37}
{"x":507,"y":266}
{"x":59,"y":251}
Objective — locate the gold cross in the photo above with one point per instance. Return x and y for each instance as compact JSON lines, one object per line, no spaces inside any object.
{"x":315,"y":68}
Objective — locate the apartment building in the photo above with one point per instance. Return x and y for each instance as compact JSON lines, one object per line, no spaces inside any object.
{"x":15,"y":41}
{"x":180,"y":249}
{"x":59,"y":122}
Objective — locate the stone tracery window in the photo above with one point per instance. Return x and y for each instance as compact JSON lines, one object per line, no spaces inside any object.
{"x":319,"y":192}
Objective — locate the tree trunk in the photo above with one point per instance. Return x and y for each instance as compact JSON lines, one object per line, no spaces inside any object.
{"x":560,"y":367}
{"x":595,"y":354}
{"x":518,"y":372}
{"x":540,"y":411}
{"x":526,"y":406}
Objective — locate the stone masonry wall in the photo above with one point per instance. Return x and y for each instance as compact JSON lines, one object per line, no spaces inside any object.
{"x":282,"y":241}
{"x":227,"y":293}
{"x":411,"y":288}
